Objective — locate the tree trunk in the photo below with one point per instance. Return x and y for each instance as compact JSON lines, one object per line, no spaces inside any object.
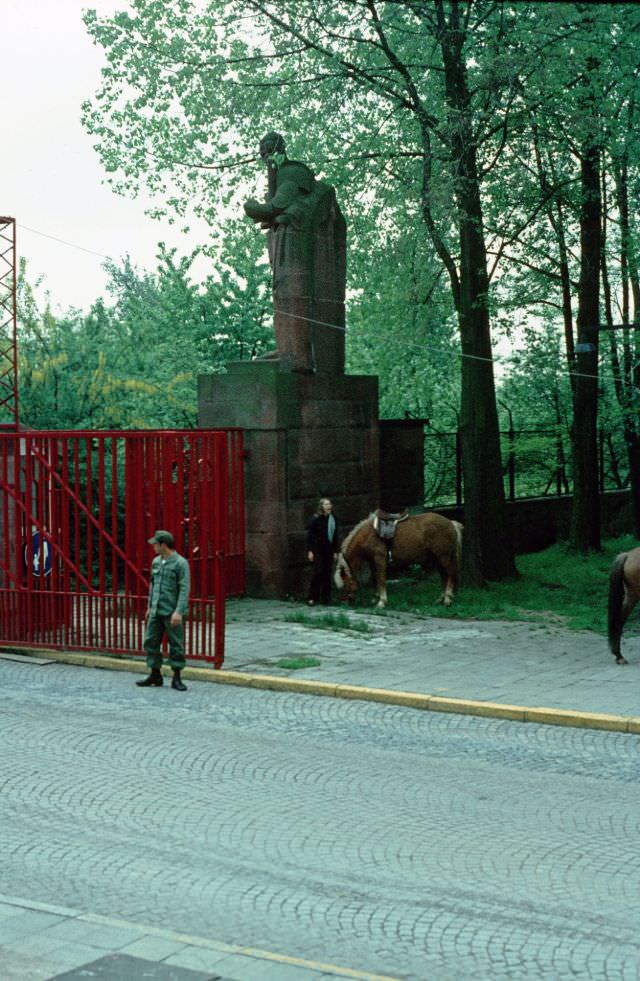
{"x":585,"y":514}
{"x":623,"y":374}
{"x":557,"y":223}
{"x":488,"y":546}
{"x":633,"y":451}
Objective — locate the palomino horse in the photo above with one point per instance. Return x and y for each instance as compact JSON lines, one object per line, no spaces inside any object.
{"x":417,"y":540}
{"x":624,"y":593}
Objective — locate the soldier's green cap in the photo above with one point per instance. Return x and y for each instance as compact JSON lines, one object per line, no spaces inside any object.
{"x":162,"y":537}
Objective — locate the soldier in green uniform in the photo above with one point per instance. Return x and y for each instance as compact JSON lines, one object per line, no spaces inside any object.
{"x":168,"y":604}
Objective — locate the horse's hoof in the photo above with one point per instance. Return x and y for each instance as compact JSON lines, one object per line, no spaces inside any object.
{"x":447,"y":601}
{"x":621,"y":660}
{"x":380,"y":605}
{"x":440,"y":601}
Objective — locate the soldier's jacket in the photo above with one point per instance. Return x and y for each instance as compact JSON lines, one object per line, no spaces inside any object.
{"x":170,"y":584}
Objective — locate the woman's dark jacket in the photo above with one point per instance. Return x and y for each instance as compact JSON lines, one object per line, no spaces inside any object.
{"x":318,"y":537}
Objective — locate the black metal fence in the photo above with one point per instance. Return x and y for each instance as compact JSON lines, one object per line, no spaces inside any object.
{"x":536,"y":463}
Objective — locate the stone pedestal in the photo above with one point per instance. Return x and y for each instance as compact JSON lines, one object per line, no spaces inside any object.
{"x":307,"y":436}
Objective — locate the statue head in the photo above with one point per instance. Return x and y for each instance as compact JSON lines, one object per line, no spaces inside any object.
{"x":272,"y":149}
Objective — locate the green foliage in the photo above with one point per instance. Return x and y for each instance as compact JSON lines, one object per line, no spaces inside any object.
{"x":359,"y":91}
{"x":330,"y":621}
{"x":133,"y":362}
{"x":463,"y":125}
{"x":412,"y":346}
{"x":298,"y":663}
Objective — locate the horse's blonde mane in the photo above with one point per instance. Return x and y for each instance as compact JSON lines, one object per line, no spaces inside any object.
{"x":347,"y":542}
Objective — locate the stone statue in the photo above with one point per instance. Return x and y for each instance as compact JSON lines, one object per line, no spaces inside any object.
{"x":306,"y":239}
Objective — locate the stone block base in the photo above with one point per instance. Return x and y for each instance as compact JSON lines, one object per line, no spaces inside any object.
{"x":307,"y":436}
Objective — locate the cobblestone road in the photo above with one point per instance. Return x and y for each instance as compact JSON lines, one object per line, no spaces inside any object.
{"x":417,"y":845}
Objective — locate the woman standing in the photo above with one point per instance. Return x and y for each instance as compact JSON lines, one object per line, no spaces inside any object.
{"x":322,"y":549}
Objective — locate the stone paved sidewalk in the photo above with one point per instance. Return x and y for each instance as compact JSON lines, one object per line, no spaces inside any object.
{"x":532,"y":664}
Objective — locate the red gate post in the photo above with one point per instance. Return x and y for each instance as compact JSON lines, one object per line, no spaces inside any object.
{"x":221,"y":545}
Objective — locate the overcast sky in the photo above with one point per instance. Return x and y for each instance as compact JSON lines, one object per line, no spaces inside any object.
{"x":50,"y":177}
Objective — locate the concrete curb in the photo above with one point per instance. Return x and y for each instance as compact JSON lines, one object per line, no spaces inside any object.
{"x":430,"y":703}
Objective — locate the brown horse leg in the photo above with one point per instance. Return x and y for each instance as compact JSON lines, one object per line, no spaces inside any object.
{"x":448,"y":581}
{"x":380,"y":575}
{"x":627,"y":606}
{"x":616,"y":606}
{"x":448,"y":584}
{"x":447,"y":594}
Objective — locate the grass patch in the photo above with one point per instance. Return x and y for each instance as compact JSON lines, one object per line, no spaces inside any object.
{"x":296,"y":663}
{"x":329,"y":621}
{"x":556,"y":587}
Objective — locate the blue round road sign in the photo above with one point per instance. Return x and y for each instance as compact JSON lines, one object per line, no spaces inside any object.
{"x":41,"y":558}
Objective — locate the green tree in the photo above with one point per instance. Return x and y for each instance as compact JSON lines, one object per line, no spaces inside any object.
{"x":133,"y":362}
{"x":574,"y":118}
{"x":483,"y":119}
{"x":401,"y":325}
{"x":390,"y":90}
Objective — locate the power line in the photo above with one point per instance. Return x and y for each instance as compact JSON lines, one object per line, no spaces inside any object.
{"x":425,"y":347}
{"x":72,"y":245}
{"x":322,"y":323}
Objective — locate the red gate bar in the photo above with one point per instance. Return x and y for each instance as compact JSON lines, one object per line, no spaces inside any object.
{"x":76,"y":510}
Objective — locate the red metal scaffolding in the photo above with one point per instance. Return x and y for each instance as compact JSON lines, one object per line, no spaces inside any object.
{"x":8,"y":332}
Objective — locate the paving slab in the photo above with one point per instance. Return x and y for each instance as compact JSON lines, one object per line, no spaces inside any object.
{"x":124,"y":967}
{"x":100,"y":935}
{"x":13,"y":928}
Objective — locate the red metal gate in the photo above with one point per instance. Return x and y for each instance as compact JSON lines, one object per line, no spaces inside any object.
{"x":76,"y":510}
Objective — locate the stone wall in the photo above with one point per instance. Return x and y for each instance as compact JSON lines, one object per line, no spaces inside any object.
{"x":538,"y":522}
{"x":306,"y":436}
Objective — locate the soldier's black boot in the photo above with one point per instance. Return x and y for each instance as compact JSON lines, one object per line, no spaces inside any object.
{"x":155,"y":679}
{"x":177,"y":682}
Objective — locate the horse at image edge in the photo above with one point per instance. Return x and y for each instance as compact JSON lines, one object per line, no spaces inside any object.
{"x":624,"y":593}
{"x":417,"y":540}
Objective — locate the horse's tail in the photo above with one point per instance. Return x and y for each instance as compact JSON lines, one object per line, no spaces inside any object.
{"x":458,"y":528}
{"x":616,"y":597}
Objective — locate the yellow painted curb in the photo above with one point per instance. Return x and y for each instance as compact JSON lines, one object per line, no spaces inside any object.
{"x":580,"y":720}
{"x":237,"y":678}
{"x":115,"y":663}
{"x":495,"y":710}
{"x":417,"y":700}
{"x":303,"y":685}
{"x":407,"y":698}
